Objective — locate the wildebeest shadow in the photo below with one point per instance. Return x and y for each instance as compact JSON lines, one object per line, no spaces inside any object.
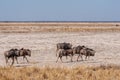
{"x":25,"y":64}
{"x":68,"y":62}
{"x":73,"y":61}
{"x":34,"y":62}
{"x":83,"y":61}
{"x":93,"y":61}
{"x":19,"y":65}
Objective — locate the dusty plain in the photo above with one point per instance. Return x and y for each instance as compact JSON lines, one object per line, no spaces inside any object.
{"x":42,"y":38}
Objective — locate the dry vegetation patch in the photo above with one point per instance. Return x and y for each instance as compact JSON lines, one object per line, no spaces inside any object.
{"x":50,"y":73}
{"x":57,"y":27}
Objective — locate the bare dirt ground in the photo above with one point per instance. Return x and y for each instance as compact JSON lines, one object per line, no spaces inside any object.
{"x":43,"y":46}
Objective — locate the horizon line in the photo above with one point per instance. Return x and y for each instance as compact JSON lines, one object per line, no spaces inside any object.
{"x":59,"y":21}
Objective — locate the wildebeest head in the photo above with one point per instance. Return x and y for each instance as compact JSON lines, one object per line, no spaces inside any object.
{"x":24,"y":52}
{"x":91,"y":52}
{"x":28,"y":52}
{"x":80,"y":47}
{"x":9,"y":53}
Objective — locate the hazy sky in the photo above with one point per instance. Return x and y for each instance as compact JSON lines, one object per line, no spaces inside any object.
{"x":59,"y":10}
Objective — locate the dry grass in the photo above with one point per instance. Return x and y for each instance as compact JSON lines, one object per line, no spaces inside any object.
{"x":57,"y":27}
{"x":48,"y":73}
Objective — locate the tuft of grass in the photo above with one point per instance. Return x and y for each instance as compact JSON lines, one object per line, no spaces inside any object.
{"x":109,"y":72}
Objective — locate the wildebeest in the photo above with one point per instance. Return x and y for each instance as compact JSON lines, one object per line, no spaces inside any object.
{"x":14,"y":53}
{"x":10,"y":54}
{"x":76,"y":50}
{"x":23,"y":52}
{"x":64,"y":46}
{"x":87,"y":52}
{"x":62,"y":52}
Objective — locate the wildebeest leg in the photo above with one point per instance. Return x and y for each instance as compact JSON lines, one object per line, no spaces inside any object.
{"x":23,"y":58}
{"x":89,"y":56}
{"x":26,"y":59}
{"x":66,"y":56}
{"x":16,"y":60}
{"x":12,"y":61}
{"x":57,"y":59}
{"x":86,"y":58}
{"x":71,"y":58}
{"x":57,"y":51}
{"x":79,"y":56}
{"x":61,"y":58}
{"x":6,"y":59}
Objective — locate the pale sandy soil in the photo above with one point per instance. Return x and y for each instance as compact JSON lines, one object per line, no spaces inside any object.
{"x":43,"y":46}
